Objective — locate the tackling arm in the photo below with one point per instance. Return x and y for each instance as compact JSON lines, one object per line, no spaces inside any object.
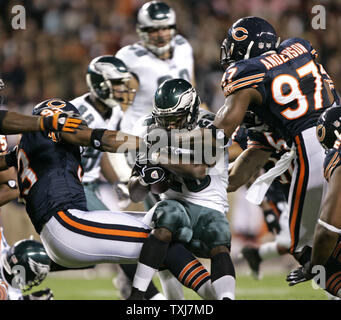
{"x":246,"y":166}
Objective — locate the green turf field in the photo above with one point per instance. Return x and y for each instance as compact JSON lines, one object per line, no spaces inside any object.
{"x":271,"y":287}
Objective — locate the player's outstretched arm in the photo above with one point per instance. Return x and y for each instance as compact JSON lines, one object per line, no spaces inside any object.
{"x":104,"y":140}
{"x":14,"y":123}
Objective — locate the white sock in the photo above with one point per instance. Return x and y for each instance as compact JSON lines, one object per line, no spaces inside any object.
{"x":171,"y":286}
{"x":143,"y":276}
{"x":268,"y":250}
{"x":158,"y":296}
{"x":206,"y":291}
{"x":225,"y":287}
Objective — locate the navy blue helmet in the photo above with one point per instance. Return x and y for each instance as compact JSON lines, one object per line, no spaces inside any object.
{"x":247,"y":38}
{"x":329,"y":126}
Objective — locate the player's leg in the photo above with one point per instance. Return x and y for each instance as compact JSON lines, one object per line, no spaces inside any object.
{"x":306,"y":191}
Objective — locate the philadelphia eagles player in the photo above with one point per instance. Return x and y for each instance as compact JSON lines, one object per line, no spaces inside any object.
{"x":193,"y":209}
{"x":108,"y":81}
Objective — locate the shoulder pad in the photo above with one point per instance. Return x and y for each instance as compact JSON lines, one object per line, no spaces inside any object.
{"x":243,"y":74}
{"x":294,"y":41}
{"x":179,"y":40}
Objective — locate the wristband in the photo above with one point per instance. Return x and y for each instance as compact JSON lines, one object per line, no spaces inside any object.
{"x":96,"y":138}
{"x":12,"y":184}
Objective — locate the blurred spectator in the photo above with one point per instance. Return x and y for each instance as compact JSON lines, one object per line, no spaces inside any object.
{"x":49,"y":57}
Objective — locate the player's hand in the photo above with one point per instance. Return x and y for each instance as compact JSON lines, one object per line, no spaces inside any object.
{"x":300,"y":274}
{"x":46,"y":294}
{"x":61,"y":122}
{"x":148,"y":172}
{"x":272,"y":221}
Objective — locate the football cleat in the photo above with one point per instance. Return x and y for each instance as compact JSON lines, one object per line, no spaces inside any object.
{"x":253,"y":259}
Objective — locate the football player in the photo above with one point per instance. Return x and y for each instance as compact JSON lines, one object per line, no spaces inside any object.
{"x":108,"y":80}
{"x":326,"y":249}
{"x":286,"y":88}
{"x":193,"y":209}
{"x":263,"y":149}
{"x":23,"y":266}
{"x":49,"y":179}
{"x":160,"y":54}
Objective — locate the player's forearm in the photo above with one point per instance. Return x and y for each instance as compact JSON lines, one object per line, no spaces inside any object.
{"x":14,"y":123}
{"x":7,"y":194}
{"x":116,"y":141}
{"x":3,"y":163}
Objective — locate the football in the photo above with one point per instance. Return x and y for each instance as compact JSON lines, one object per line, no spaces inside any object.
{"x":159,"y":187}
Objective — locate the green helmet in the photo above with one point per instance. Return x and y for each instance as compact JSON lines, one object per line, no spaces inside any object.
{"x":176,"y":101}
{"x":25,"y":264}
{"x":104,"y":72}
{"x":155,"y":15}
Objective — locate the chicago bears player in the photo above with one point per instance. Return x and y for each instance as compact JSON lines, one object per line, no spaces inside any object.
{"x":193,"y":209}
{"x":285,"y":86}
{"x":326,"y":249}
{"x":49,"y":178}
{"x":103,"y":106}
{"x":263,"y":149}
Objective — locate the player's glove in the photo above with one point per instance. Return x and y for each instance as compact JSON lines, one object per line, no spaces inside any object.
{"x":272,"y":221}
{"x":40,"y":295}
{"x":121,"y":189}
{"x":148,"y":172}
{"x":300,"y":274}
{"x":11,"y":157}
{"x":61,"y":122}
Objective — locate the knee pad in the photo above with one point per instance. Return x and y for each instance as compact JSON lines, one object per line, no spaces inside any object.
{"x":172,"y":215}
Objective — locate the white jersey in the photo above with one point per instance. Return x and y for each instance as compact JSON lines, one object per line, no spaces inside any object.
{"x":151,"y":72}
{"x":209,"y":192}
{"x":91,"y":157}
{"x":12,"y":293}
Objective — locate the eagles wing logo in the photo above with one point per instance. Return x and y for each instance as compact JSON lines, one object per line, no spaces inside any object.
{"x":38,"y":268}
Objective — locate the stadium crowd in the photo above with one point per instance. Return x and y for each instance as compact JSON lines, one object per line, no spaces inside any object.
{"x":49,"y":57}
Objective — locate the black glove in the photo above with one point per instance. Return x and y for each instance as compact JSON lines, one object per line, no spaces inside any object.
{"x":149,"y":172}
{"x":39,"y":295}
{"x":11,"y":157}
{"x":61,"y":122}
{"x":300,"y":274}
{"x":272,"y":221}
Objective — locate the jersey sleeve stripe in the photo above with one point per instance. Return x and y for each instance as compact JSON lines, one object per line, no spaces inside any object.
{"x":232,"y":87}
{"x":331,"y":166}
{"x":254,"y":76}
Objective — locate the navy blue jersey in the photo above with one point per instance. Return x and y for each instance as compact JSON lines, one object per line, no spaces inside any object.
{"x":294,"y":88}
{"x":49,"y":175}
{"x":240,"y":136}
{"x":332,"y":160}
